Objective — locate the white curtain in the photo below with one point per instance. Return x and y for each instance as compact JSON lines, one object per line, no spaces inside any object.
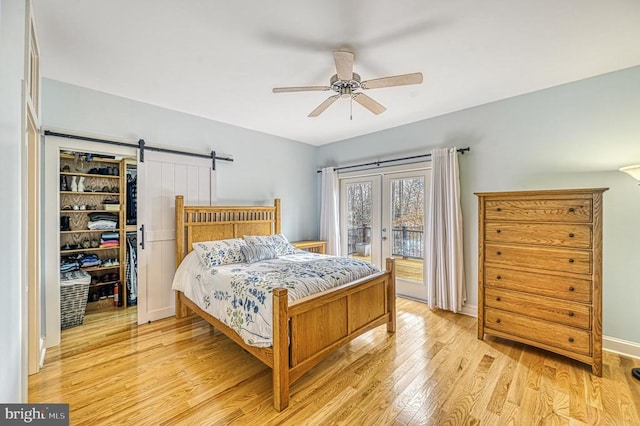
{"x":330,"y":211}
{"x":444,"y":261}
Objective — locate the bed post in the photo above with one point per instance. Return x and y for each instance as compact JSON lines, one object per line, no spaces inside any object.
{"x":280,"y":327}
{"x":181,"y":309}
{"x":391,"y":294}
{"x":276,"y":203}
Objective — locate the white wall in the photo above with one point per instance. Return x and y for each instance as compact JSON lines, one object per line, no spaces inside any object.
{"x":265,"y":166}
{"x":12,"y":45}
{"x":574,"y":135}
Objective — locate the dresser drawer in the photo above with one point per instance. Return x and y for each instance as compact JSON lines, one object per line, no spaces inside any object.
{"x":557,"y":335}
{"x":554,"y":310}
{"x":552,"y":259}
{"x":573,"y":289}
{"x":550,"y":234}
{"x":550,"y":210}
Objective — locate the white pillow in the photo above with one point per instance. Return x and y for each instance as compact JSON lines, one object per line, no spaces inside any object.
{"x":220,"y":252}
{"x":278,"y":242}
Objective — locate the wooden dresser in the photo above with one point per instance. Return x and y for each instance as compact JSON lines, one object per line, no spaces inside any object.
{"x":540,"y":270}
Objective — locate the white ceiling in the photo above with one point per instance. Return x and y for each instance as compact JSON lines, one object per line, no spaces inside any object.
{"x":219,"y":59}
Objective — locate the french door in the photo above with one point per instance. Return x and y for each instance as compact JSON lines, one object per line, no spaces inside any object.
{"x":383,"y":215}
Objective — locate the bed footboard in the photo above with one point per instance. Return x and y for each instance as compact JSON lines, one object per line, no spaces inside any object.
{"x":318,"y":325}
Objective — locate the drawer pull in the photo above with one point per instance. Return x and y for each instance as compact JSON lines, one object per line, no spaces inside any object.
{"x":571,"y":288}
{"x":570,"y":339}
{"x":498,"y":277}
{"x":570,"y":314}
{"x":571,"y":210}
{"x":498,"y":231}
{"x":498,"y":321}
{"x":498,"y":298}
{"x":571,"y":235}
{"x":498,"y":252}
{"x":571,"y":260}
{"x":498,"y":209}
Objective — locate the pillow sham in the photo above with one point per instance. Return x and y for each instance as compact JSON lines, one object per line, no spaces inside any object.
{"x":278,"y":242}
{"x":220,"y":252}
{"x":258,"y":252}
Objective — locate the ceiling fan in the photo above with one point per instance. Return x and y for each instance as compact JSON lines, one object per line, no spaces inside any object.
{"x":347,"y":84}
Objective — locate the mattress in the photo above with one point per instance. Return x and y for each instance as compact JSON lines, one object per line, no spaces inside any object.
{"x":240,"y":294}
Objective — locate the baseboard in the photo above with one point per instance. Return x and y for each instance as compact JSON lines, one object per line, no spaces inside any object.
{"x":622,"y":347}
{"x":43,"y":352}
{"x":471,"y":310}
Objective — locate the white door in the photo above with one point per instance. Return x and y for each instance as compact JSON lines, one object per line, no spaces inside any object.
{"x":162,"y":176}
{"x":383,"y":215}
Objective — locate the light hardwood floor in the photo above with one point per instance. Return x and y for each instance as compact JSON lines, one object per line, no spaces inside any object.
{"x":432,"y":371}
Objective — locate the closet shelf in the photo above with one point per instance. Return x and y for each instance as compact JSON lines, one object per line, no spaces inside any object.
{"x":100,"y":268}
{"x":86,"y":231}
{"x":95,"y":159}
{"x":115,"y":194}
{"x":83,"y":250}
{"x":90,"y":175}
{"x":90,"y":211}
{"x":100,"y":284}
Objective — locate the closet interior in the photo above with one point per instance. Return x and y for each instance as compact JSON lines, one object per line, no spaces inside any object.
{"x":98,"y":258}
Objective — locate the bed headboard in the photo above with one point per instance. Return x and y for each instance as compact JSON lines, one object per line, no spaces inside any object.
{"x":207,"y":223}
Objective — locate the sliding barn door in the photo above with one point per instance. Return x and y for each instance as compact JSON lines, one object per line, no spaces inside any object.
{"x":161,"y":177}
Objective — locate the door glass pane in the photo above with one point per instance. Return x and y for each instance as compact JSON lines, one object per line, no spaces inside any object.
{"x":359,"y":208}
{"x":407,"y":219}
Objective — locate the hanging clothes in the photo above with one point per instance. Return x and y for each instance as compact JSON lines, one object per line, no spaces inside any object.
{"x":132,"y":268}
{"x":132,"y":195}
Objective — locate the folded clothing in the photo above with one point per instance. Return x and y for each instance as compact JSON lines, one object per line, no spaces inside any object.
{"x":112,"y":217}
{"x":106,"y":225}
{"x":107,"y":236}
{"x":74,"y":277}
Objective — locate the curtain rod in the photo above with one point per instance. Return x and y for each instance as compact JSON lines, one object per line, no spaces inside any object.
{"x":377,"y":163}
{"x":142,"y":147}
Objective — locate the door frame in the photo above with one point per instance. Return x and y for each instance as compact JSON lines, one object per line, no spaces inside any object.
{"x":406,"y":288}
{"x":376,"y":217}
{"x":51,"y":200}
{"x":384,"y":174}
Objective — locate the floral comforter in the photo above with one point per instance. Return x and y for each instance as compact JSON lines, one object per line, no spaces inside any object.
{"x":240,"y":295}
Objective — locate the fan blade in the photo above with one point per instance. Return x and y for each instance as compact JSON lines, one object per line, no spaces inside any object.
{"x":344,"y":64}
{"x":396,"y":80}
{"x":326,"y":104}
{"x":300,"y":89}
{"x":368,"y":103}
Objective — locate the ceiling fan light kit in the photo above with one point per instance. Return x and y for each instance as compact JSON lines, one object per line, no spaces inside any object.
{"x":347,"y":84}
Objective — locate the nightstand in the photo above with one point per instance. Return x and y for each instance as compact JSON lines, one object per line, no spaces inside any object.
{"x":314,"y":246}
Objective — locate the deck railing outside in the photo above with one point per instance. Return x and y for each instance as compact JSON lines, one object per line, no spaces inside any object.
{"x":406,"y":242}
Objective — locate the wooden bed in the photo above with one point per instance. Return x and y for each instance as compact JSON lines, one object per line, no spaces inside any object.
{"x":305,"y":331}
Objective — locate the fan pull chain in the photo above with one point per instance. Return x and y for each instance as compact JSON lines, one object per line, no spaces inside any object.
{"x":351,"y":107}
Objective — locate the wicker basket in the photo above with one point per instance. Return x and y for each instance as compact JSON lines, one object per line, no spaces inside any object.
{"x":74,"y":290}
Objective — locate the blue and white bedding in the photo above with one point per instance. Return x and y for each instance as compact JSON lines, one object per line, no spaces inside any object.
{"x":240,"y":294}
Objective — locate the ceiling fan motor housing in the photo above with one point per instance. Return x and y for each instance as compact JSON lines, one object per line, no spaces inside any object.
{"x":345,"y":87}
